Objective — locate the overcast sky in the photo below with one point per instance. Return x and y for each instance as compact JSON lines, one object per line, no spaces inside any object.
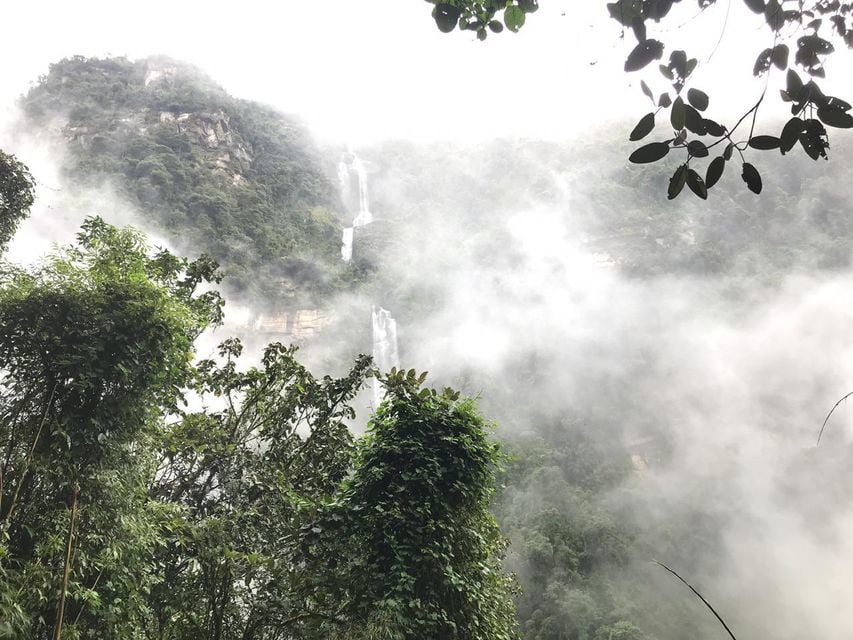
{"x":362,"y":70}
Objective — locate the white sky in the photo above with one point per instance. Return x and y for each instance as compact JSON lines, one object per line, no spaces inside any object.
{"x":362,"y":70}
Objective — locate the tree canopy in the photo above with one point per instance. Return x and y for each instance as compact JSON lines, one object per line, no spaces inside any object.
{"x":808,"y":29}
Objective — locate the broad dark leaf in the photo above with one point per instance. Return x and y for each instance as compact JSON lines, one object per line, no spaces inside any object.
{"x":780,"y":56}
{"x":638,"y":26}
{"x":643,"y":54}
{"x":751,"y":177}
{"x":813,"y":139}
{"x":664,"y":100}
{"x":764,"y":143}
{"x":644,"y":127}
{"x":698,"y":99}
{"x":651,"y":152}
{"x":790,"y":134}
{"x":446,"y":16}
{"x":714,"y":128}
{"x":715,"y":171}
{"x":757,"y":6}
{"x":793,"y":85}
{"x":774,"y":15}
{"x":678,"y":63}
{"x":697,"y":149}
{"x":624,"y":11}
{"x":835,"y":117}
{"x":677,"y":182}
{"x":696,"y":184}
{"x":694,"y":121}
{"x":496,"y":26}
{"x":677,"y":115}
{"x":762,"y":63}
{"x":727,"y":153}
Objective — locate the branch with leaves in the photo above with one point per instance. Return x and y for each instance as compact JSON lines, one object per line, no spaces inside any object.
{"x":809,"y":27}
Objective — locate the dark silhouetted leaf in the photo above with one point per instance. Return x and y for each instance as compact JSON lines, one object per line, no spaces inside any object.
{"x":764,"y":143}
{"x":696,"y":184}
{"x":496,"y":26}
{"x":638,"y":26}
{"x":644,"y":127}
{"x":814,"y":140}
{"x":666,"y":72}
{"x":774,"y":15}
{"x":715,"y":171}
{"x":677,"y":182}
{"x":694,"y":121}
{"x":790,"y":134}
{"x":698,"y":99}
{"x":678,"y":63}
{"x":624,"y":11}
{"x":677,"y":115}
{"x":835,"y":117}
{"x":751,"y":177}
{"x":757,"y":6}
{"x":446,"y":16}
{"x":647,"y":91}
{"x":727,"y":153}
{"x":697,"y":149}
{"x":643,"y":54}
{"x":651,"y":152}
{"x":664,"y":100}
{"x":780,"y":56}
{"x":762,"y":63}
{"x":714,"y":129}
{"x":793,"y":85}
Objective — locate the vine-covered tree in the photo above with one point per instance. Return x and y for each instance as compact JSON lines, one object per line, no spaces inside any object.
{"x":806,"y":29}
{"x":16,"y":196}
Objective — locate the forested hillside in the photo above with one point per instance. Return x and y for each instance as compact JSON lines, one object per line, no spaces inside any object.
{"x":234,"y":178}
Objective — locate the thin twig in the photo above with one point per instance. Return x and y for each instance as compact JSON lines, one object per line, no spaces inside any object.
{"x":828,"y":415}
{"x":701,"y":597}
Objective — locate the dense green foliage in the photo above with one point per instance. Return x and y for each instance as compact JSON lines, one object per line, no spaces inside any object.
{"x":16,"y":196}
{"x":417,"y":550}
{"x":233,"y":178}
{"x":257,"y":516}
{"x":94,"y":346}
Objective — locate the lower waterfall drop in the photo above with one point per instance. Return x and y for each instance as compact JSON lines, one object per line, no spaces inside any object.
{"x":346,"y":244}
{"x":385,"y":353}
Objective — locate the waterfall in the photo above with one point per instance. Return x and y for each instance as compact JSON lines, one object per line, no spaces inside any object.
{"x":385,"y":353}
{"x":346,"y":244}
{"x":351,"y":162}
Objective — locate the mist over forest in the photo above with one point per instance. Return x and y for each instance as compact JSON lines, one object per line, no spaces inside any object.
{"x":648,"y":380}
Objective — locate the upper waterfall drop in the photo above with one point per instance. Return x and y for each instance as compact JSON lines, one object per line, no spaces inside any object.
{"x":350,"y":163}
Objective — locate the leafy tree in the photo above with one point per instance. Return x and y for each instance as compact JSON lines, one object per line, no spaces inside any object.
{"x":16,"y":196}
{"x":409,"y":550}
{"x":240,"y":484}
{"x":95,"y":345}
{"x":806,"y":28}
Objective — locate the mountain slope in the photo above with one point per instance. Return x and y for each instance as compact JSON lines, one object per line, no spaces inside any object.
{"x":230,"y":177}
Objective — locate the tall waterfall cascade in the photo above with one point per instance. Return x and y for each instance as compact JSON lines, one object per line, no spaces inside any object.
{"x":349,"y":164}
{"x":385,"y":352}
